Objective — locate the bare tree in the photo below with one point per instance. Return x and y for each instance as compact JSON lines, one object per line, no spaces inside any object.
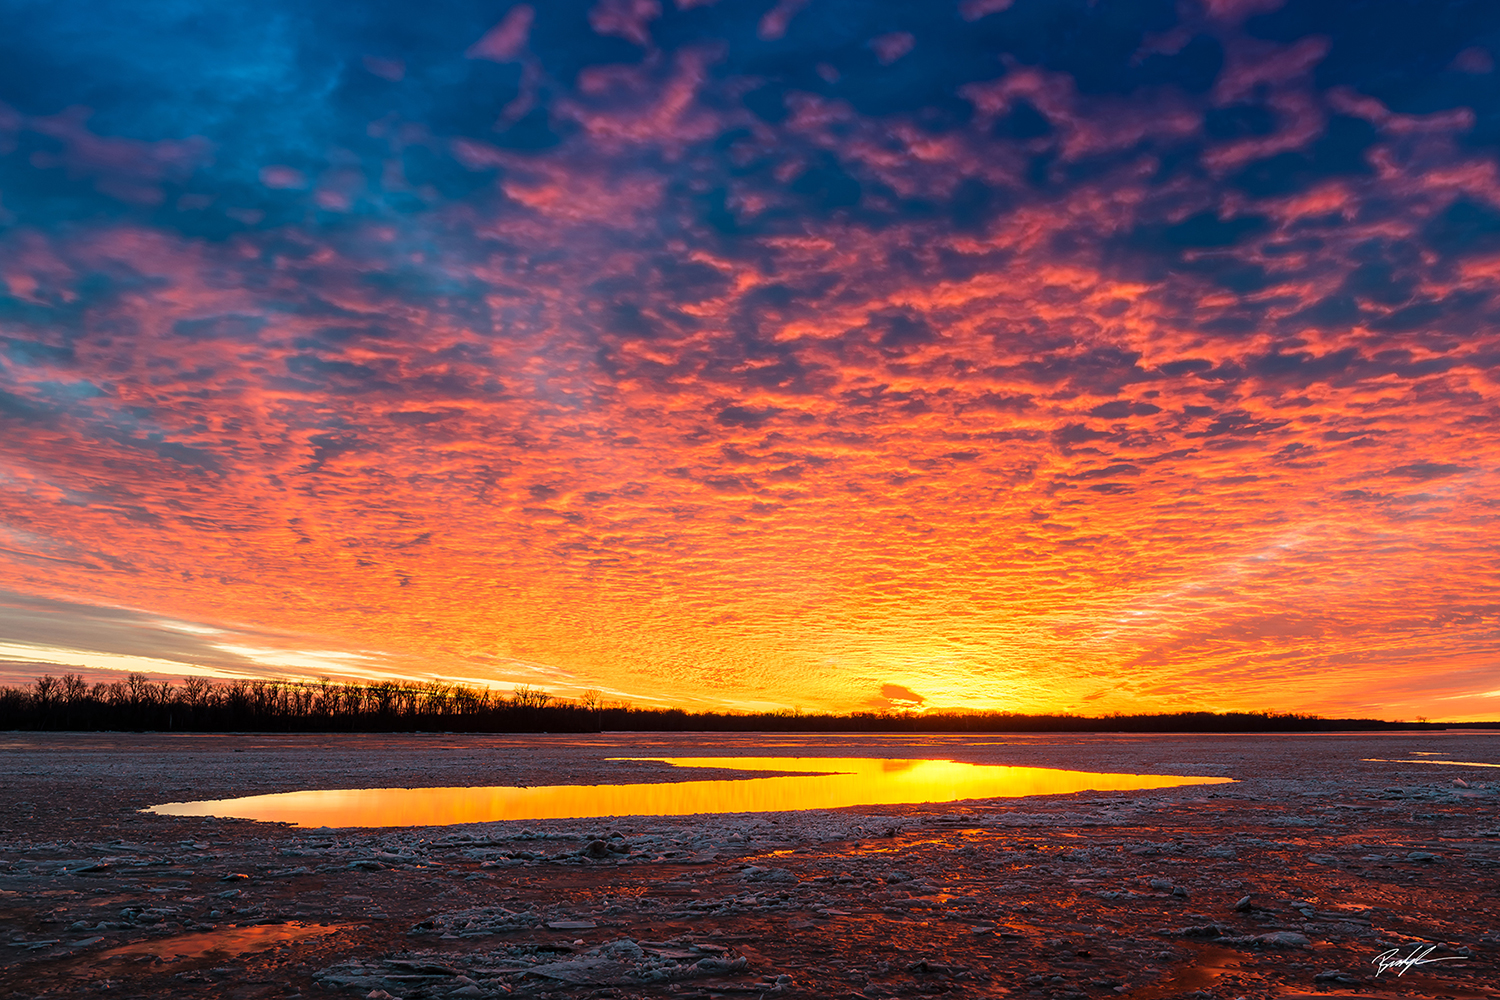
{"x":45,"y":691}
{"x":526,"y":696}
{"x":139,"y":689}
{"x":74,"y":688}
{"x":195,"y":691}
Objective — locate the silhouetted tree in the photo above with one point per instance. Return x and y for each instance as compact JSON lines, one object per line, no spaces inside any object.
{"x":199,"y":704}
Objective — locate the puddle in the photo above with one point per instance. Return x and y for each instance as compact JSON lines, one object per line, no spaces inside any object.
{"x":857,"y":781}
{"x":1212,"y":962}
{"x":230,"y":941}
{"x":1453,"y":763}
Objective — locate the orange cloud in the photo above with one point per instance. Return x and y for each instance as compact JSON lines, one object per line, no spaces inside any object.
{"x":1073,"y":399}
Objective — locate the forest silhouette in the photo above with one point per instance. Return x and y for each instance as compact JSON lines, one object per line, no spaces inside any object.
{"x":138,"y":703}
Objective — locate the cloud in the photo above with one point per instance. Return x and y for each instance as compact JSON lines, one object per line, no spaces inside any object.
{"x":48,"y":636}
{"x":711,"y":349}
{"x":896,"y":696}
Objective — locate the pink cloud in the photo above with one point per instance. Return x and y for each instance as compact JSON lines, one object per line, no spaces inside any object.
{"x":506,"y":40}
{"x":892,"y":46}
{"x":282,"y":178}
{"x":128,"y":169}
{"x":628,"y":19}
{"x":387,"y":69}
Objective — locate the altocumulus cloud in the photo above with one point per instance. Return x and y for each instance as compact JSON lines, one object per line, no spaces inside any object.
{"x":740,"y":353}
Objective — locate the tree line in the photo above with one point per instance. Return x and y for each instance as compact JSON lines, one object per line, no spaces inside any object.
{"x":137,"y":703}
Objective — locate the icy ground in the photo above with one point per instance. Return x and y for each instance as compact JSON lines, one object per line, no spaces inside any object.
{"x":1290,"y":882}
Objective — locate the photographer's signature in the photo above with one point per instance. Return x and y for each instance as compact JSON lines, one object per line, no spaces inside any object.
{"x":1393,"y":959}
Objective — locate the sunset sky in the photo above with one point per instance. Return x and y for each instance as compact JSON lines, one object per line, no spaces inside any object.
{"x":1124,"y":355}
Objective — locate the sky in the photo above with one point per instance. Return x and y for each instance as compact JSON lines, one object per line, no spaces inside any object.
{"x":1037,"y":355}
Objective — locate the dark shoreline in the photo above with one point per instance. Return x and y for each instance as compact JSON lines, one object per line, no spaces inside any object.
{"x":137,"y":704}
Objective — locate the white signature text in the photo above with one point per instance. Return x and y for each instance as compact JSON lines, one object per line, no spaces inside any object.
{"x":1393,"y":959}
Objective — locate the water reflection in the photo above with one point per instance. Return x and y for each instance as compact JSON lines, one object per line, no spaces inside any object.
{"x":229,"y":941}
{"x":855,"y":781}
{"x":1455,"y":763}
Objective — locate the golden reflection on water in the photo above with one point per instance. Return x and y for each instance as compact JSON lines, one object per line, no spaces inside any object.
{"x":229,"y":941}
{"x":857,"y":781}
